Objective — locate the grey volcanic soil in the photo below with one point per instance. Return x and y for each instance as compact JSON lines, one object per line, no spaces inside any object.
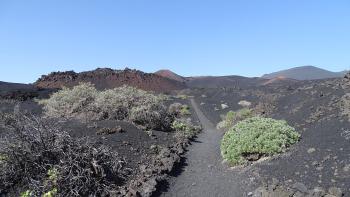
{"x":203,"y":173}
{"x":320,"y":159}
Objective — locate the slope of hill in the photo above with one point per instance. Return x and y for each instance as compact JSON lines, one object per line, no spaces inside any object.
{"x":280,"y":80}
{"x":104,"y":78}
{"x":304,"y":73}
{"x":171,"y":75}
{"x":21,"y":92}
{"x":222,"y":81}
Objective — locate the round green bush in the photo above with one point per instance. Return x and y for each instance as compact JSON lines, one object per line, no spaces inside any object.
{"x":258,"y":136}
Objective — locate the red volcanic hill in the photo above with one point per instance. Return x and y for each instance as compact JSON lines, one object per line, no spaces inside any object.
{"x":106,"y":78}
{"x":170,"y":75}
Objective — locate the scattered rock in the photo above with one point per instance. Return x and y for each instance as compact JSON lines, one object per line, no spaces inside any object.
{"x":108,"y":131}
{"x":224,"y":106}
{"x":335,"y":191}
{"x":244,"y":103}
{"x":318,"y":191}
{"x":300,"y":187}
{"x":311,"y":150}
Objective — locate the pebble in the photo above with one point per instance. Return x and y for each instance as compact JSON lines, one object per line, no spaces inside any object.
{"x":311,"y":150}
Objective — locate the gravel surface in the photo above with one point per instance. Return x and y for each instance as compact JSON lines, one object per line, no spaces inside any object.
{"x":203,"y":173}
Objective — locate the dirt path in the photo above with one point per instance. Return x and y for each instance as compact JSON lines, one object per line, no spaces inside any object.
{"x":204,"y":174}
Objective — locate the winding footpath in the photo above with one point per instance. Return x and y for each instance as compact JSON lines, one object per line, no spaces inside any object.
{"x":203,"y":174}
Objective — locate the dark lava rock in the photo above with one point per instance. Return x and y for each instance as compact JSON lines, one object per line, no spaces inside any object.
{"x":106,"y":78}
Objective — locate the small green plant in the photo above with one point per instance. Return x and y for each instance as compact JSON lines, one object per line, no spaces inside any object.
{"x":52,"y":174}
{"x":232,"y":117}
{"x":2,"y":157}
{"x":51,"y":193}
{"x":185,"y":110}
{"x":26,"y":193}
{"x":257,"y":136}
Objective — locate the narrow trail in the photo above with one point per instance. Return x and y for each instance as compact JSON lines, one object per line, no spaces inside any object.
{"x":204,"y":174}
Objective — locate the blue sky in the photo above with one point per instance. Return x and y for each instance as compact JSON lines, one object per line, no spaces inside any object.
{"x":190,"y":37}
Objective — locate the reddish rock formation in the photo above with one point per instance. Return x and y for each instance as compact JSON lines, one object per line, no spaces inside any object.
{"x":171,"y":75}
{"x":105,"y":78}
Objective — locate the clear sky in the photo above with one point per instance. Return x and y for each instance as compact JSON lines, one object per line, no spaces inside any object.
{"x":190,"y":37}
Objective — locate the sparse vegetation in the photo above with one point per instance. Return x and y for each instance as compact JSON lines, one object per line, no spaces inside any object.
{"x":42,"y":160}
{"x":123,"y":103}
{"x":152,"y":116}
{"x":185,"y":129}
{"x":185,"y":110}
{"x":182,"y":96}
{"x":257,"y":136}
{"x":179,"y":110}
{"x":232,"y":117}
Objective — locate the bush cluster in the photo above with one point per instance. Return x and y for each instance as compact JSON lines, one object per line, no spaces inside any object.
{"x":232,"y":117}
{"x":259,"y":136}
{"x":185,"y":129}
{"x":179,"y":110}
{"x":122,"y":103}
{"x":38,"y":159}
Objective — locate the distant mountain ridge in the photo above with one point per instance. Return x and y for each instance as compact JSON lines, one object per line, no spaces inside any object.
{"x":305,"y":73}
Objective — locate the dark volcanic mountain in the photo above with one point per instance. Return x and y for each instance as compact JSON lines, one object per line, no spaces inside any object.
{"x":171,"y":75}
{"x":304,"y":73}
{"x":104,"y":78}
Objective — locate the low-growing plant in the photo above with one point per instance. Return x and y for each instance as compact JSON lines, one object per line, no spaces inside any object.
{"x":152,"y":116}
{"x":26,"y":193}
{"x":179,"y":110}
{"x":185,"y":110}
{"x":123,"y":103}
{"x":182,"y":96}
{"x":232,"y":117}
{"x":257,"y":136}
{"x":68,"y":102}
{"x":47,"y":161}
{"x":185,"y":129}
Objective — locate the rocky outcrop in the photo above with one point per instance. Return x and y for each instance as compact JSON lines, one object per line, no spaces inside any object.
{"x":105,"y":78}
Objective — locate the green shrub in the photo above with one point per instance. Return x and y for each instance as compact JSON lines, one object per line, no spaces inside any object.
{"x":26,"y":193}
{"x":257,"y":135}
{"x":185,"y":129}
{"x":232,"y":117}
{"x":185,"y":110}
